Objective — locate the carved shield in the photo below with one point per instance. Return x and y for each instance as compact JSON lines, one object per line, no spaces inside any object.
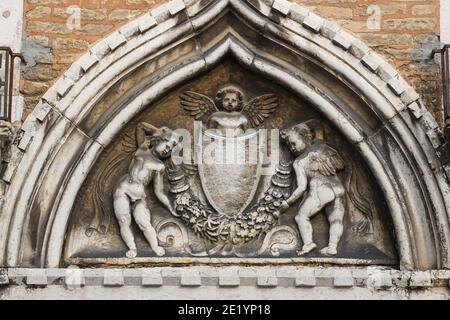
{"x":230,"y":170}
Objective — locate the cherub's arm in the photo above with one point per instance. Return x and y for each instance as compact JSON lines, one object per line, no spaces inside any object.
{"x":158,"y":185}
{"x":302,"y":183}
{"x":245,"y":123}
{"x":143,"y":129}
{"x":211,"y":123}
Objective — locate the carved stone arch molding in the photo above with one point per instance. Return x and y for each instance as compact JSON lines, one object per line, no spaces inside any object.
{"x":368,"y":102}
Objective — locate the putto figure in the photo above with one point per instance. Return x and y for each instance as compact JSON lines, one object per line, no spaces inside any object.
{"x":229,"y":115}
{"x":154,"y":146}
{"x":316,"y":167}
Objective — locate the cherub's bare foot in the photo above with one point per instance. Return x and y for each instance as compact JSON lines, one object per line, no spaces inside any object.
{"x":132,"y":253}
{"x":159,"y":251}
{"x":307,"y":248}
{"x":329,"y":251}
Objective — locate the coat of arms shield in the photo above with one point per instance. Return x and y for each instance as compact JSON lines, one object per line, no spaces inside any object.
{"x":230,"y":169}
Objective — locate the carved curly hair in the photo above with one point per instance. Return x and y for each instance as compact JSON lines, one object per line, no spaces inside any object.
{"x":301,"y":129}
{"x":230,"y":89}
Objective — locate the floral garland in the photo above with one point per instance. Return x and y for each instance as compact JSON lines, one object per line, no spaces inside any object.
{"x":224,"y":229}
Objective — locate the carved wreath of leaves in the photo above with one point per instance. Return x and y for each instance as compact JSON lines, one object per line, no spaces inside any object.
{"x":220,"y":228}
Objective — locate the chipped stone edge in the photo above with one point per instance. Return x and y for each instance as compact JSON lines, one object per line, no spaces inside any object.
{"x":4,"y":279}
{"x":288,"y":10}
{"x":376,"y":278}
{"x":323,"y":29}
{"x":107,"y":46}
{"x":375,"y":64}
{"x":350,"y":48}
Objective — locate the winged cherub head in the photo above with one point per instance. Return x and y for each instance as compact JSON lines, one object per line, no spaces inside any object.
{"x":230,"y":99}
{"x":300,"y":136}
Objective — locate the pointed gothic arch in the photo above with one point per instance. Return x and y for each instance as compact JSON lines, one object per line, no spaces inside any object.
{"x":67,"y":131}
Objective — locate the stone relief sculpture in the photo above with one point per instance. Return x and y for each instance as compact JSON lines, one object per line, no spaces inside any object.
{"x":224,"y":229}
{"x":229,"y":115}
{"x":229,"y":188}
{"x":316,"y":167}
{"x":6,"y":138}
{"x":308,"y":173}
{"x":6,"y":129}
{"x":155,"y":146}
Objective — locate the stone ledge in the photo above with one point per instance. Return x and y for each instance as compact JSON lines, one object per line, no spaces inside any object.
{"x":262,"y":277}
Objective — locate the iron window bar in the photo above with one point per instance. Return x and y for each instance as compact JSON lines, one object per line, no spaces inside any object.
{"x":7,"y":60}
{"x":444,"y":150}
{"x":445,"y":70}
{"x":445,"y":54}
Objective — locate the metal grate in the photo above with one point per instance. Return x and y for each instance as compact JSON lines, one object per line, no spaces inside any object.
{"x":445,"y":60}
{"x":7,"y":59}
{"x":444,"y":150}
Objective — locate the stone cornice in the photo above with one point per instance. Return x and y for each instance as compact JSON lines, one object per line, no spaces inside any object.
{"x":197,"y":276}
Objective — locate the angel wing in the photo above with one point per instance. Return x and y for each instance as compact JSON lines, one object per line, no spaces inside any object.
{"x":198,"y":105}
{"x":326,"y":161}
{"x":260,"y":108}
{"x":129,"y":143}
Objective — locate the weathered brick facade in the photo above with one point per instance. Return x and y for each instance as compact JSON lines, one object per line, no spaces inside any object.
{"x":406,"y":34}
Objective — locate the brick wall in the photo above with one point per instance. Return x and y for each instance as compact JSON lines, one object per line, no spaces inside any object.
{"x":403,"y":31}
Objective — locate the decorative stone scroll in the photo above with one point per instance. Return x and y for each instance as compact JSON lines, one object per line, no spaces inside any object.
{"x":6,"y":139}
